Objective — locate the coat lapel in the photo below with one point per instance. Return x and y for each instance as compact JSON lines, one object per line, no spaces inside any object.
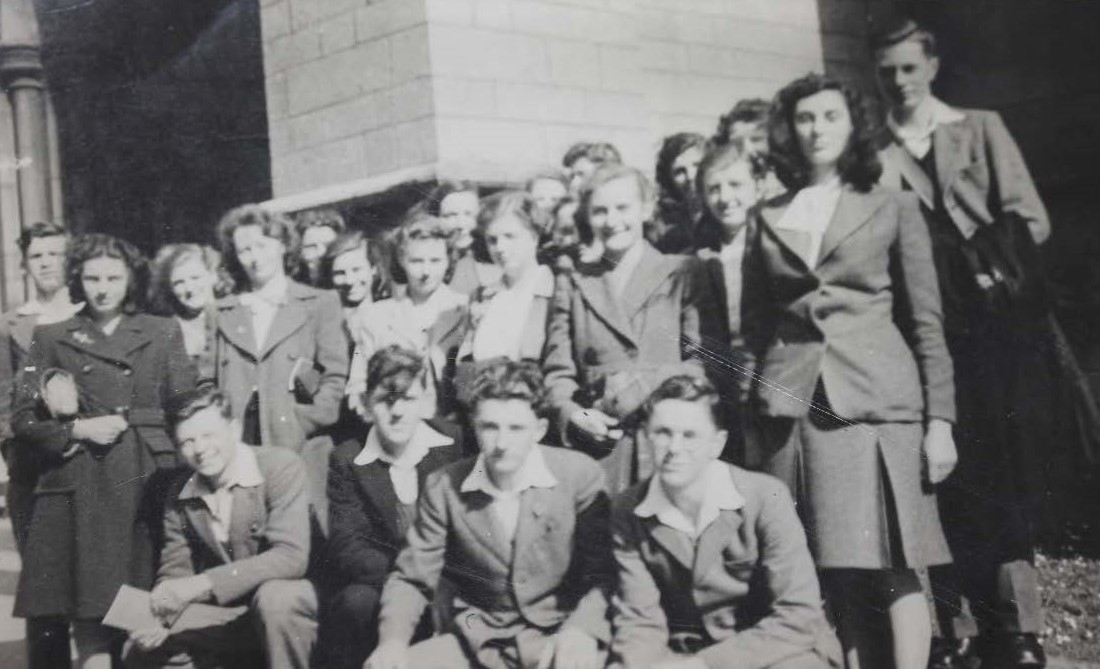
{"x":374,"y":480}
{"x":290,"y":317}
{"x":947,"y":141}
{"x":246,"y":519}
{"x":852,"y":212}
{"x":85,"y":336}
{"x":199,"y":517}
{"x":597,"y":294}
{"x":715,"y":538}
{"x":130,"y":336}
{"x":790,"y":244}
{"x":534,"y":519}
{"x":235,"y":324}
{"x":647,"y":277}
{"x":483,"y":524}
{"x":676,"y":543}
{"x":913,"y":174}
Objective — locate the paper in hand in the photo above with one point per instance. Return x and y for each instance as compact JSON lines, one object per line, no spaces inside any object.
{"x":132,"y":610}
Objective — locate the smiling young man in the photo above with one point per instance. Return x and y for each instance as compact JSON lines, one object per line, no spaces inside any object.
{"x":520,"y":534}
{"x":976,"y":192}
{"x":714,"y":570}
{"x":236,"y":532}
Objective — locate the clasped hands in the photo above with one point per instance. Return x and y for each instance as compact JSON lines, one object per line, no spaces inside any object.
{"x":167,"y":600}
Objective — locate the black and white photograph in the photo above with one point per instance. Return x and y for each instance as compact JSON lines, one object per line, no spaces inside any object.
{"x":550,"y":334}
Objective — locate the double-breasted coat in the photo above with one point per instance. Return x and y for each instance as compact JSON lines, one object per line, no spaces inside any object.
{"x":305,"y":347}
{"x":610,"y":353}
{"x":94,"y":523}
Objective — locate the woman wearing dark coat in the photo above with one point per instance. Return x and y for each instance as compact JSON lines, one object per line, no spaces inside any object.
{"x":852,"y":386}
{"x":89,"y":404}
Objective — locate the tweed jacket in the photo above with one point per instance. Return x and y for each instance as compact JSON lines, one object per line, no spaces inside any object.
{"x":866,"y":320}
{"x":980,"y":170}
{"x":269,"y":531}
{"x":305,"y":339}
{"x":556,"y":572}
{"x":748,"y":582}
{"x":363,"y":532}
{"x":610,"y":353}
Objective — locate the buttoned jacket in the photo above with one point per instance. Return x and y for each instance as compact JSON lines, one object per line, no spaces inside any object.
{"x":865,"y":320}
{"x":269,"y":531}
{"x":556,"y":572}
{"x":748,"y":583}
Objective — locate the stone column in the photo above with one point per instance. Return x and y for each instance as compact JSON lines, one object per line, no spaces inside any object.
{"x":21,"y":79}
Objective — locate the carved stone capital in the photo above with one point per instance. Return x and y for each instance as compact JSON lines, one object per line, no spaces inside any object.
{"x":20,"y":66}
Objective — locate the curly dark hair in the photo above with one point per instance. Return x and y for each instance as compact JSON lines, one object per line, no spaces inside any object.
{"x":671,"y":149}
{"x":274,"y":225}
{"x":186,"y":403}
{"x":40,"y":230}
{"x":858,"y":166}
{"x":98,"y":245}
{"x":511,"y":380}
{"x":393,"y":370}
{"x":749,"y":110}
{"x":687,"y":388}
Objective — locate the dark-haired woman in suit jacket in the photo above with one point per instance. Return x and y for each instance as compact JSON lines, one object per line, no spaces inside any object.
{"x":853,"y":385}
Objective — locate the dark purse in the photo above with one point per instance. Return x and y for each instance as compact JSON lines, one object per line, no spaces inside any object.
{"x":1007,"y":272}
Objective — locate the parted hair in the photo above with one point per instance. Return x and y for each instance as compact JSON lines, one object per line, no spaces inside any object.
{"x":392,"y":369}
{"x":904,"y":30}
{"x":39,"y":230}
{"x":687,"y":388}
{"x":511,"y":380}
{"x":858,"y":166}
{"x":187,"y":403}
{"x":749,"y":110}
{"x":162,"y":301}
{"x":98,"y":245}
{"x":273,"y":224}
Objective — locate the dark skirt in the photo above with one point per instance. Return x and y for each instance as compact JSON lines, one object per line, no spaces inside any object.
{"x":859,"y":490}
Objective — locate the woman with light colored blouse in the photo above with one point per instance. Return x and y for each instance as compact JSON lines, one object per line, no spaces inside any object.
{"x":425,"y":315}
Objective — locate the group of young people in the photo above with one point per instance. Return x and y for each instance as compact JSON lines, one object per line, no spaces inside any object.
{"x":720,"y":422}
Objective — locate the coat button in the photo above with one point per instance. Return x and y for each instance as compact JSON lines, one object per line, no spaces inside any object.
{"x":87,"y":369}
{"x":282,"y":419}
{"x":127,"y":372}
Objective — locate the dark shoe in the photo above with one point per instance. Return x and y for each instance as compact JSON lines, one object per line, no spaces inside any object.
{"x":952,"y":654}
{"x":1021,"y":651}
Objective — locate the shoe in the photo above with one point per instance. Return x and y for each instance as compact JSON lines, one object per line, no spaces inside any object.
{"x":952,"y":653}
{"x":1021,"y":651}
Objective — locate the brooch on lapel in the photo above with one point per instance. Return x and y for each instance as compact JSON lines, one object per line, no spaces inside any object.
{"x":82,"y":338}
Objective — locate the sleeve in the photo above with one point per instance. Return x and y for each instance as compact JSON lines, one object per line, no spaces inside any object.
{"x":332,"y":360}
{"x":1014,"y":187}
{"x":413,"y":582}
{"x":287,"y":537}
{"x":639,"y":623}
{"x":355,"y":552}
{"x":912,"y":253}
{"x":7,"y":381}
{"x":559,"y":366}
{"x":175,"y":555}
{"x":796,"y":621}
{"x":592,"y":561}
{"x":47,"y":436}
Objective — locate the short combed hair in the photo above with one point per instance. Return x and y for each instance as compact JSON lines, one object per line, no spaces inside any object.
{"x":98,"y":245}
{"x":40,"y":230}
{"x":393,"y":370}
{"x":273,"y":224}
{"x":858,"y":167}
{"x":511,"y":380}
{"x":418,"y":226}
{"x":325,"y":217}
{"x":904,"y":30}
{"x":719,"y":155}
{"x":687,"y":388}
{"x":604,"y":175}
{"x":515,"y":203}
{"x":162,"y":301}
{"x":749,"y":110}
{"x":672,"y":148}
{"x":601,"y":153}
{"x":187,"y":403}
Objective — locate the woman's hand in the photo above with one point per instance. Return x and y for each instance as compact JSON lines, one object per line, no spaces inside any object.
{"x":596,"y":424}
{"x":102,"y":430}
{"x":149,"y":639}
{"x":939,"y":450}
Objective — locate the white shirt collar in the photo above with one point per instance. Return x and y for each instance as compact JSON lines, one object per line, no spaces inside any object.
{"x":424,"y":439}
{"x":539,"y":281}
{"x":243,"y":471}
{"x":534,"y":474}
{"x":721,"y":495}
{"x":939,"y":113}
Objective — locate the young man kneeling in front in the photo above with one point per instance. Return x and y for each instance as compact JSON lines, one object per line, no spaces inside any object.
{"x":520,"y":532}
{"x":714,"y":570}
{"x":236,"y":532}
